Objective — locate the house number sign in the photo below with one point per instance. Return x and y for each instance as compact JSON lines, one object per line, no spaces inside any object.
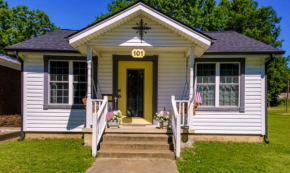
{"x":138,"y":53}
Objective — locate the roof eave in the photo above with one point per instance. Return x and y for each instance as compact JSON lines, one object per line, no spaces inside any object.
{"x":280,"y":52}
{"x":40,"y":50}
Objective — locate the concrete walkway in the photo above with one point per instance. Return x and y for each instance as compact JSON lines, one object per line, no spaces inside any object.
{"x":133,"y":166}
{"x":9,"y":133}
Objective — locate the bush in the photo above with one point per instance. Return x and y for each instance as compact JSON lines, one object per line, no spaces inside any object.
{"x":10,"y":120}
{"x":282,"y":101}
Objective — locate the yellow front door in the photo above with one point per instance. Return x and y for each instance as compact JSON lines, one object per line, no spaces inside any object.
{"x":135,"y":90}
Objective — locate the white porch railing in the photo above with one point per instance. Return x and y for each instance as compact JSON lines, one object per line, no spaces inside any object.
{"x":100,"y":110}
{"x":183,"y":110}
{"x":176,"y":127}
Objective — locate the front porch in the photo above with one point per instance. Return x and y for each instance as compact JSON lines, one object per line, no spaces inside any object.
{"x":140,"y":86}
{"x":171,"y":74}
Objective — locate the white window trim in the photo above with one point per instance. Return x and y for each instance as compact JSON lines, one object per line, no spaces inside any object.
{"x":217,"y":83}
{"x":70,"y":82}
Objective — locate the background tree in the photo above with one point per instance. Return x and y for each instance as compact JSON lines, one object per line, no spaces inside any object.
{"x":19,"y":24}
{"x":243,"y":16}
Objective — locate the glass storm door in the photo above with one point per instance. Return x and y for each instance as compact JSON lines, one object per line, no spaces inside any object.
{"x":135,"y":93}
{"x":135,"y":86}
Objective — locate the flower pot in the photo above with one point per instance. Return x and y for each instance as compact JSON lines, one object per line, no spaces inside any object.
{"x":114,"y":123}
{"x":164,"y":124}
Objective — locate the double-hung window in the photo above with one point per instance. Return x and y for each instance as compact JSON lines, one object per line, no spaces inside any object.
{"x":67,"y":83}
{"x":220,"y":84}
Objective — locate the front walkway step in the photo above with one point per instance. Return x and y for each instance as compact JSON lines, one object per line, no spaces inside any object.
{"x":9,"y":134}
{"x":128,"y":153}
{"x":138,"y":137}
{"x":139,"y":145}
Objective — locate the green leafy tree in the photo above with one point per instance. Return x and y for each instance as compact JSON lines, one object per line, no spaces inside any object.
{"x":278,"y":73}
{"x":199,"y":14}
{"x":243,"y":16}
{"x":19,"y":24}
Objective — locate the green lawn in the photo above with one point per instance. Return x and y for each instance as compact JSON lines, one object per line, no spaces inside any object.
{"x":49,"y":155}
{"x":243,"y":157}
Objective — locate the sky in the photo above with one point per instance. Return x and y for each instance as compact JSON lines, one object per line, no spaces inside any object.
{"x":77,"y":14}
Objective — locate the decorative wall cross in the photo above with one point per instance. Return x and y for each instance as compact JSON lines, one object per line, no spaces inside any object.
{"x":141,"y":28}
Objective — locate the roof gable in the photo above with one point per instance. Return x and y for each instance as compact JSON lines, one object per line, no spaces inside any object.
{"x":130,"y":13}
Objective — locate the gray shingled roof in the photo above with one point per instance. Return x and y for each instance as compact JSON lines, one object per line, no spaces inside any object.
{"x":233,"y":42}
{"x":9,"y":59}
{"x":224,"y":42}
{"x":54,"y":41}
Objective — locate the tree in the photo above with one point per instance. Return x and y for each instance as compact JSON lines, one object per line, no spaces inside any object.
{"x":243,"y":16}
{"x":19,"y":24}
{"x":200,"y":14}
{"x":278,"y":75}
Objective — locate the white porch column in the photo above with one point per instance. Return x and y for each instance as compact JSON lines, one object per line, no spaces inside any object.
{"x":191,"y":88}
{"x":89,"y":89}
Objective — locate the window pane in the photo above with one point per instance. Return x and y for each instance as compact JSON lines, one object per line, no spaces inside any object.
{"x":229,"y":73}
{"x":59,"y":70}
{"x":229,"y":95}
{"x":80,"y":71}
{"x":206,"y":83}
{"x":58,"y":92}
{"x":80,"y":90}
{"x":205,"y":73}
{"x":229,"y":88}
{"x":207,"y":94}
{"x":80,"y":81}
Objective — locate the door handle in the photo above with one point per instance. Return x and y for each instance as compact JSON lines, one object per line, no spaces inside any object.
{"x":119,"y":96}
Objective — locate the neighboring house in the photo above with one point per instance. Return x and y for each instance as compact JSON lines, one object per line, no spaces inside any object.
{"x":10,"y":85}
{"x":283,"y":95}
{"x":61,"y":67}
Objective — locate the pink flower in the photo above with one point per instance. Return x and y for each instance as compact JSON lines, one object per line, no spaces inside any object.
{"x":110,"y":115}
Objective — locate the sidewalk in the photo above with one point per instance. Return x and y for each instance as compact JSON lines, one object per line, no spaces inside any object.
{"x":133,"y":166}
{"x":9,"y":133}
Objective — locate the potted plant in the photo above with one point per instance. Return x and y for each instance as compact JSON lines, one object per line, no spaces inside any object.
{"x":114,"y":119}
{"x":163,"y":117}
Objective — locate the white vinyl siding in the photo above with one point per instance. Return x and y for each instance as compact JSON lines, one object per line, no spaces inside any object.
{"x":171,"y":81}
{"x":37,"y":119}
{"x":249,"y":122}
{"x":157,"y":36}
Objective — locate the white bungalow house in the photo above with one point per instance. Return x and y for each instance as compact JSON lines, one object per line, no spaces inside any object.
{"x":139,"y":61}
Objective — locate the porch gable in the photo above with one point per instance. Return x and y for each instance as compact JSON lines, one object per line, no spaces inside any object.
{"x":126,"y":19}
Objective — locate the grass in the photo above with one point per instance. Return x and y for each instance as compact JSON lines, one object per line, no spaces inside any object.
{"x":49,"y":155}
{"x":244,"y":157}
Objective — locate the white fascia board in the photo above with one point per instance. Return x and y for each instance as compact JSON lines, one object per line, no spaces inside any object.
{"x":221,"y":55}
{"x":102,"y":25}
{"x":10,"y":65}
{"x":158,"y":15}
{"x":176,"y":25}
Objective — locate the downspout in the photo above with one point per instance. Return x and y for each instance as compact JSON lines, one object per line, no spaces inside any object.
{"x":272,"y":56}
{"x":22,"y":134}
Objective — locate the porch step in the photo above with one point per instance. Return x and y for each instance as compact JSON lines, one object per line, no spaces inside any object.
{"x":138,"y":137}
{"x":137,"y":146}
{"x":138,"y":130}
{"x":128,"y":153}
